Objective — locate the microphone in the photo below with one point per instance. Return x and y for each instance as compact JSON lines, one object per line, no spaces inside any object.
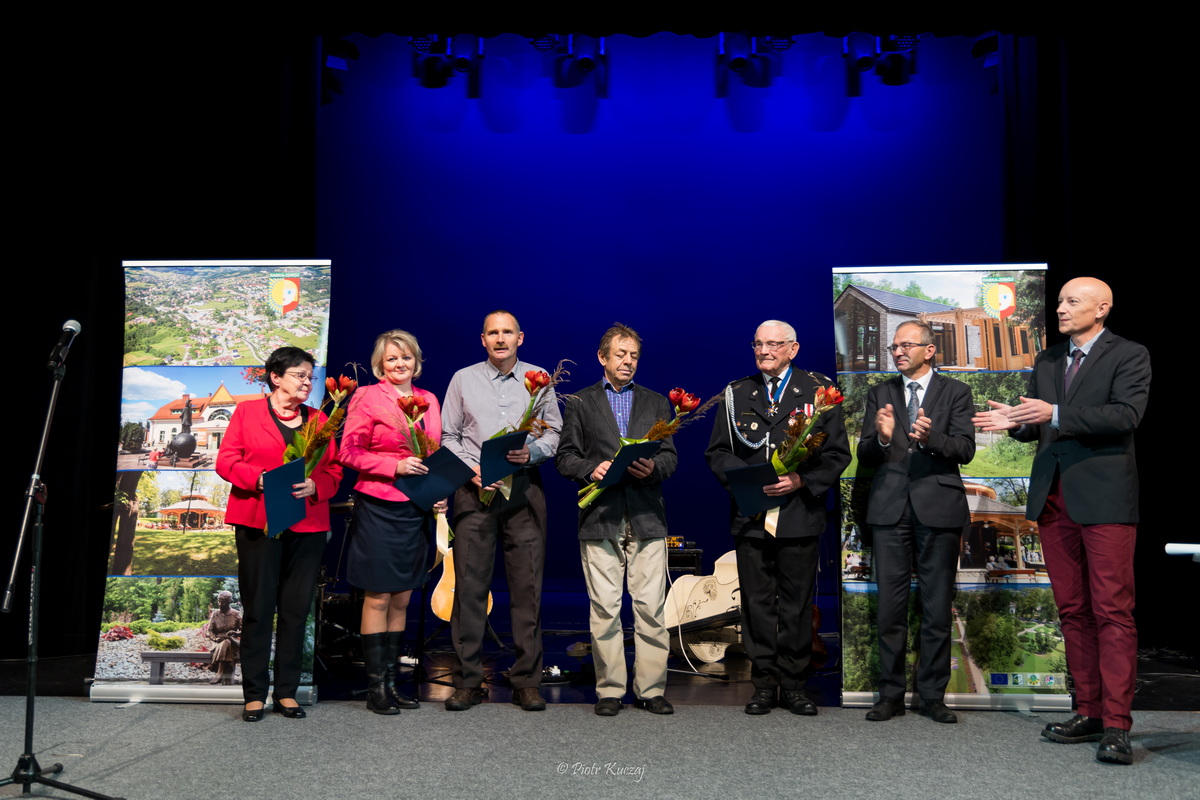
{"x":58,"y":355}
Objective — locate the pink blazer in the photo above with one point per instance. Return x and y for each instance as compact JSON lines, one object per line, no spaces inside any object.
{"x":375,"y":438}
{"x":253,"y":445}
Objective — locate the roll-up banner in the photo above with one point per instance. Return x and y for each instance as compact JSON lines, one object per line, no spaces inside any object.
{"x":989,"y":325}
{"x":197,"y":334}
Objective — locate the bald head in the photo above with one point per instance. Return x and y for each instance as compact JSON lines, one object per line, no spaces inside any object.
{"x":1083,"y":305}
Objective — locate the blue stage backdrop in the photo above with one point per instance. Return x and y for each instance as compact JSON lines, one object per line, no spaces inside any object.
{"x":688,"y":216}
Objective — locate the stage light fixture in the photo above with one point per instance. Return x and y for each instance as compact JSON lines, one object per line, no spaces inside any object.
{"x":859,"y":51}
{"x":898,"y":60}
{"x":438,"y":57}
{"x":579,"y":60}
{"x":737,"y":54}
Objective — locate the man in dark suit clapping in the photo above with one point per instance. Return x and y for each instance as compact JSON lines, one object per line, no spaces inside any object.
{"x":916,"y":432}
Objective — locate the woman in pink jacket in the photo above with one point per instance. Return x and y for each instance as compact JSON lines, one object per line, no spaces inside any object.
{"x":389,"y":536}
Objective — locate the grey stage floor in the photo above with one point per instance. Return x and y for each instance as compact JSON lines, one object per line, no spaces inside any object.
{"x":497,"y":750}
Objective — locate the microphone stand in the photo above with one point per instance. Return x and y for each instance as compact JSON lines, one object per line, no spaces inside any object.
{"x":28,"y":771}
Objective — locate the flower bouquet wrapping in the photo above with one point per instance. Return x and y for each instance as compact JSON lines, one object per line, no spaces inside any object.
{"x":313,"y":437}
{"x":801,"y":443}
{"x":311,"y":440}
{"x":684,"y":405}
{"x":539,"y":384}
{"x":422,"y":445}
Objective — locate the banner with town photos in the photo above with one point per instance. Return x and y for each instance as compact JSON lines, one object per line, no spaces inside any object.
{"x":988,"y":324}
{"x":197,"y":335}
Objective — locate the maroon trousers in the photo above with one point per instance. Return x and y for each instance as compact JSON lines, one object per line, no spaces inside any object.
{"x":1091,"y":573}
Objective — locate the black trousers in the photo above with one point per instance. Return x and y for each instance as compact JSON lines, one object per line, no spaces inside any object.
{"x":935,"y":551}
{"x":519,"y":526}
{"x":275,"y":575}
{"x":777,"y":578}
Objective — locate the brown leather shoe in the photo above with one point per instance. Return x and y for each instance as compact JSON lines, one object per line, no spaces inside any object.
{"x":464,"y":698}
{"x":529,"y":699}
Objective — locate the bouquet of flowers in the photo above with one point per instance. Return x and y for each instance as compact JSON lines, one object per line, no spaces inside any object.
{"x":538,"y":383}
{"x":312,"y":438}
{"x":422,"y":445}
{"x":413,"y":409}
{"x":801,"y":442}
{"x":684,"y":404}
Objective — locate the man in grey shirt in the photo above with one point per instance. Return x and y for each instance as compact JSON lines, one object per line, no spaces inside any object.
{"x":481,"y":400}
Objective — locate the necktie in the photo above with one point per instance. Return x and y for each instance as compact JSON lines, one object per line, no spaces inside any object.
{"x":913,"y":406}
{"x":1076,"y":357}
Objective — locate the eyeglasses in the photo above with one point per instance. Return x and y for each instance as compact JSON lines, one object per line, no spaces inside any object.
{"x":757,"y":345}
{"x":303,"y":377}
{"x":907,"y":346}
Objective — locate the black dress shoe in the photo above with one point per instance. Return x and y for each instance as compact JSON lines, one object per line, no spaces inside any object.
{"x":462,"y":699}
{"x":798,"y":702}
{"x":1075,"y":730}
{"x":885,"y":709}
{"x":1115,"y":747}
{"x":608,"y":707}
{"x":655,"y":705}
{"x":762,"y":702}
{"x":937,"y":711}
{"x":529,"y":699}
{"x":289,"y":712}
{"x":253,"y":716}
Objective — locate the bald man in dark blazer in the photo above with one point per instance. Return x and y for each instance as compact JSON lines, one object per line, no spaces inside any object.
{"x":1086,"y":398}
{"x":917,"y":509}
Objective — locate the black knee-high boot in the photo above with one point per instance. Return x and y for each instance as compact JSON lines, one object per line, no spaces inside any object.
{"x":393,"y":652}
{"x":374,"y":657}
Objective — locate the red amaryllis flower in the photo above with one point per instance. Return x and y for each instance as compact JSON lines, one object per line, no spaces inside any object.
{"x":683,"y":402}
{"x":339,"y":388}
{"x":536,"y":380}
{"x":828,"y":396}
{"x":414,"y":407}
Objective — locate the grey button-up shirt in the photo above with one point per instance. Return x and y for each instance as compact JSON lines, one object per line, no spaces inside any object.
{"x":482,"y":401}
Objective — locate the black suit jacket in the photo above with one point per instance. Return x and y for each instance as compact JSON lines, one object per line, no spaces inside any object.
{"x":590,"y":436}
{"x":927,"y":476}
{"x":803,"y":514}
{"x":1092,"y":449}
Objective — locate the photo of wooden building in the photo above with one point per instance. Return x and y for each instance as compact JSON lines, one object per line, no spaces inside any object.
{"x":967,"y":338}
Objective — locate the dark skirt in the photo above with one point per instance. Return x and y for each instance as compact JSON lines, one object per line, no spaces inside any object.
{"x":389,"y":545}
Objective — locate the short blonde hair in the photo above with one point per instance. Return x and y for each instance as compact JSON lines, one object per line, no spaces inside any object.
{"x":403,"y":340}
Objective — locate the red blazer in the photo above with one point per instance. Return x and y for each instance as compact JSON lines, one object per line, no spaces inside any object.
{"x":253,"y":445}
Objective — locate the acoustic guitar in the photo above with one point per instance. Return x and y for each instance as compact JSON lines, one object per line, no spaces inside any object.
{"x":442,"y":598}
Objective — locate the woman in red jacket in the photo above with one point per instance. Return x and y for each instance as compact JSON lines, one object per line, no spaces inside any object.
{"x":277,"y":573}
